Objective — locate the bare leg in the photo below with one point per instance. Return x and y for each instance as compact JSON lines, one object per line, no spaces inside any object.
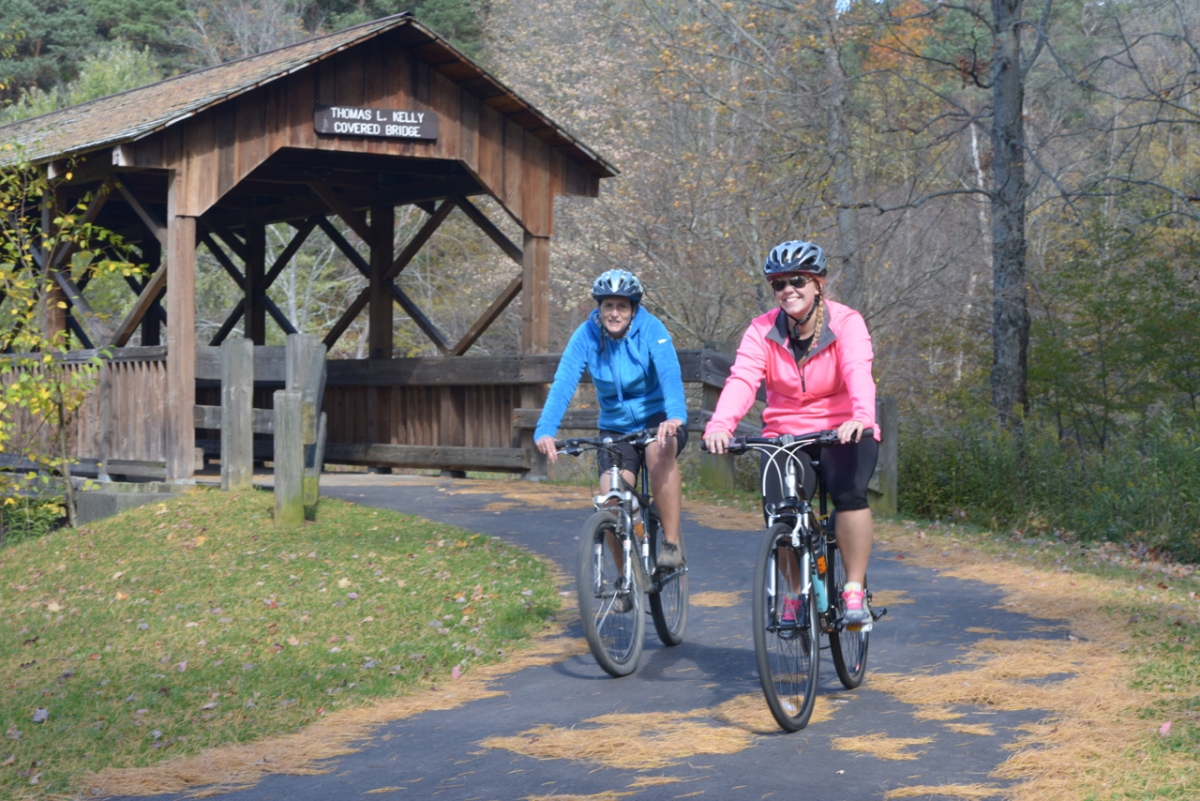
{"x":855,"y":533}
{"x":614,"y":544}
{"x":667,"y":484}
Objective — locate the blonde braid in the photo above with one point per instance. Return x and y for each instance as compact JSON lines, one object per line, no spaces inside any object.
{"x":812,"y":343}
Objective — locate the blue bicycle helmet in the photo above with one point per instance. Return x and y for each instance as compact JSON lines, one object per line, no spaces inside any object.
{"x":795,"y":257}
{"x":617,"y":284}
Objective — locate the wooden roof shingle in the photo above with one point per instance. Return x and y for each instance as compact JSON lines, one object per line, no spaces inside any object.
{"x":133,"y":114}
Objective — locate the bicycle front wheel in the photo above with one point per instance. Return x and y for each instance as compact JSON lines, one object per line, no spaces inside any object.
{"x":668,"y":606}
{"x":786,"y":631}
{"x":847,"y":647}
{"x":610,"y":597}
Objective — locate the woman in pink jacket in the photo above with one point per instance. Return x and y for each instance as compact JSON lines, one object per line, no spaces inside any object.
{"x":815,"y":355}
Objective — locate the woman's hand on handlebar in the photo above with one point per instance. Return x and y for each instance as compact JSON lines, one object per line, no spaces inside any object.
{"x":849,"y":431}
{"x":717,"y":442}
{"x":547,"y":446}
{"x":666,"y":430}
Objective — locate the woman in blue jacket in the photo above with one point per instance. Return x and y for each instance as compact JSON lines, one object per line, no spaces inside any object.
{"x":633,"y":365}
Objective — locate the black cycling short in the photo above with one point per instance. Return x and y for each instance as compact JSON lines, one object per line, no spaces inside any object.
{"x":845,"y":469}
{"x":631,"y":460}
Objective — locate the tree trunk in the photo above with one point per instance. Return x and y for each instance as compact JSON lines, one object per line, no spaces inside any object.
{"x":850,"y":283}
{"x":1010,"y":335}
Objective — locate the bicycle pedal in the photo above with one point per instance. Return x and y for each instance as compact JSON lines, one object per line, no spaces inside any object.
{"x":862,"y":627}
{"x":878,"y":613}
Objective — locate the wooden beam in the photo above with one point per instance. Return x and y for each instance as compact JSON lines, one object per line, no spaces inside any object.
{"x":488,"y":317}
{"x":96,"y":328}
{"x":339,"y":241}
{"x":302,"y":231}
{"x":79,"y":332}
{"x":535,"y":295}
{"x":347,"y":318}
{"x":488,"y":227}
{"x":381,"y":330}
{"x":63,"y":251}
{"x":447,"y":457}
{"x":157,"y":228}
{"x":239,"y":248}
{"x":255,"y":262}
{"x":441,"y":372}
{"x":150,"y":292}
{"x":343,"y":209}
{"x":295,"y":209}
{"x":224,"y":260}
{"x":153,"y":321}
{"x":424,"y":323}
{"x":226,"y":328}
{"x":181,"y":335}
{"x":277,"y":314}
{"x":270,"y":364}
{"x":418,"y":241}
{"x":410,"y":308}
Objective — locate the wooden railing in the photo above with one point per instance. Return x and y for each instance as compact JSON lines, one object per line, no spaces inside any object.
{"x":449,"y":413}
{"x":121,"y":426}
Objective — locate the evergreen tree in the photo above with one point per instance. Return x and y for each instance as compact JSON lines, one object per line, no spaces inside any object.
{"x":53,"y":37}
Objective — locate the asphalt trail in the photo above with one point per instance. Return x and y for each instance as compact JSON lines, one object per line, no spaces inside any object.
{"x":438,"y":754}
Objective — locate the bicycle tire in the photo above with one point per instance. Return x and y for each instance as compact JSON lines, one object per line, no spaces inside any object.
{"x":788,"y":657}
{"x":669,"y":605}
{"x":847,"y":648}
{"x":615,"y":636}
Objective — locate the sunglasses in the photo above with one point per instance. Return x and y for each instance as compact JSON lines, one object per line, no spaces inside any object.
{"x":794,"y":281}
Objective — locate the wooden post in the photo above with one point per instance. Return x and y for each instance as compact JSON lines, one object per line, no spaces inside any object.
{"x":104,"y":392}
{"x":304,"y":365}
{"x":289,"y":459}
{"x":312,"y":470}
{"x":381,"y":327}
{"x":181,"y":337}
{"x":883,"y":484}
{"x":716,"y":472}
{"x":535,"y":335}
{"x":151,"y":325}
{"x":237,"y":415}
{"x":255,"y":320}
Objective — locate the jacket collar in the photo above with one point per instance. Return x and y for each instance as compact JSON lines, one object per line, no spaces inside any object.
{"x":779,"y":332}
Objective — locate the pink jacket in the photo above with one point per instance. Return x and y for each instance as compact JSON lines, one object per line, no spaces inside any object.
{"x":834,"y":385}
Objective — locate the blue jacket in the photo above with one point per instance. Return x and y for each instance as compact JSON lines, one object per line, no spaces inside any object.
{"x":635,"y":376}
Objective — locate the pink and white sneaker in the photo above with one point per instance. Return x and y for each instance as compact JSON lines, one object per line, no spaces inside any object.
{"x":857,"y":612}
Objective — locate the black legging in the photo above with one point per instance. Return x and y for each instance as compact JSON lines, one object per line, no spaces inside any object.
{"x":845,"y":469}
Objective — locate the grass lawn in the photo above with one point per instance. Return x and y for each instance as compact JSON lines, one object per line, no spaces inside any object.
{"x":193,"y":623}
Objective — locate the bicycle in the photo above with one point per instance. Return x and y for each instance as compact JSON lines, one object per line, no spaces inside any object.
{"x":800,"y":547}
{"x":617,"y":565}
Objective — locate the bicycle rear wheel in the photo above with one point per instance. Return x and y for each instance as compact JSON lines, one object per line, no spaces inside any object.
{"x":612,"y":608}
{"x":668,"y":606}
{"x":787,"y":650}
{"x":847,"y":647}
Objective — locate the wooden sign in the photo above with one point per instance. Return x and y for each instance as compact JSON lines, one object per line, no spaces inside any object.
{"x":383,"y":122}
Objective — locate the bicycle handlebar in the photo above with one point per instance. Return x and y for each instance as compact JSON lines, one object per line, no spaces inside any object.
{"x":576,"y":445}
{"x":739,"y":445}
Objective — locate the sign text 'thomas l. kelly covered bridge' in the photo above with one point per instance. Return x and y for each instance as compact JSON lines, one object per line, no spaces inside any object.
{"x":349,"y":126}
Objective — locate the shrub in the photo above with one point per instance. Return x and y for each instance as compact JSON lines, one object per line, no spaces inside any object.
{"x":1141,"y":490}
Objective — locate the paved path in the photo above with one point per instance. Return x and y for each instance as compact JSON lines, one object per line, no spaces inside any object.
{"x":438,"y":754}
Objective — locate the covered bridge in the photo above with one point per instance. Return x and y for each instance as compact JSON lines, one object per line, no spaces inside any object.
{"x":349,"y":125}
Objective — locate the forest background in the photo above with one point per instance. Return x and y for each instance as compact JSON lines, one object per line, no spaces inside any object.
{"x":1008,"y":191}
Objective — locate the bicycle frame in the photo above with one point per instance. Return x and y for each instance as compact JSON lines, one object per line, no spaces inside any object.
{"x":625,"y":502}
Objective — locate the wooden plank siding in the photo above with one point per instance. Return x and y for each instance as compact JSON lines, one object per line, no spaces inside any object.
{"x":220,"y":147}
